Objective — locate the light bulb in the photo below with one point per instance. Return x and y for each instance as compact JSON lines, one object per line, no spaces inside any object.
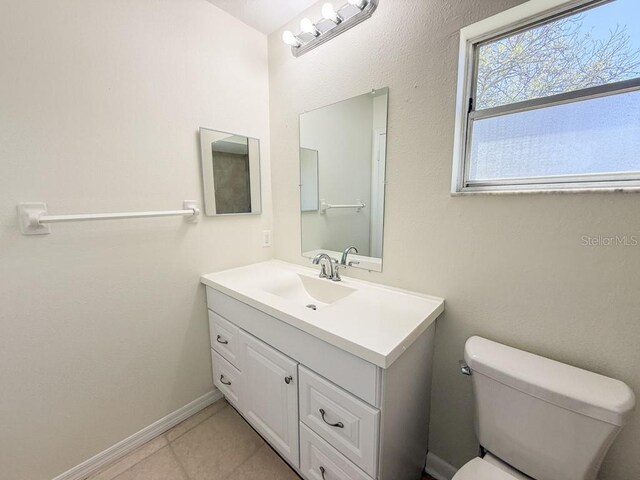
{"x":329,"y":13}
{"x":290,"y":39}
{"x":307,"y":26}
{"x":358,"y":3}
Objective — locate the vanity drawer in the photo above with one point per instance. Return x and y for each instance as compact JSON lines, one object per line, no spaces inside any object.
{"x":320,"y":461}
{"x":224,"y":337}
{"x":226,"y":377}
{"x":344,"y":421}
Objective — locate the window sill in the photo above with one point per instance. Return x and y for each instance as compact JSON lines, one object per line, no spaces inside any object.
{"x":539,"y":190}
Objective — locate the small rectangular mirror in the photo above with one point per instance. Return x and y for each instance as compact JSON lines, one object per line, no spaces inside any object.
{"x":342,"y":179}
{"x":230,"y":173}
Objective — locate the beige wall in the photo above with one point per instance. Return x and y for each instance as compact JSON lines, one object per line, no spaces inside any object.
{"x":103,"y":326}
{"x":512,"y":267}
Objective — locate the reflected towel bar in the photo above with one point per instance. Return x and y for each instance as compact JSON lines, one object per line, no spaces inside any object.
{"x":34,"y":218}
{"x":324,"y":206}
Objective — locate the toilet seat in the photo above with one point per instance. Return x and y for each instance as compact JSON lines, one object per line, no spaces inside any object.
{"x":488,"y":468}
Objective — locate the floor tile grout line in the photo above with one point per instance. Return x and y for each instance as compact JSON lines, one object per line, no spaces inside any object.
{"x":197,"y":424}
{"x":142,"y":459}
{"x":282,"y":458}
{"x":168,"y":444}
{"x":120,"y":460}
{"x":183,"y":469}
{"x":265,"y":444}
{"x":247,"y":459}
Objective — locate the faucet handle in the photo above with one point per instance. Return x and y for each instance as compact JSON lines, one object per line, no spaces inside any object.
{"x":323,"y":271}
{"x":336,"y":272}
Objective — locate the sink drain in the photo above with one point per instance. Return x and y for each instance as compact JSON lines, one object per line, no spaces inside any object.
{"x":312,"y":306}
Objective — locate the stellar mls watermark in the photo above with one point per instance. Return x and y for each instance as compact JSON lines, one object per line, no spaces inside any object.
{"x":610,"y":240}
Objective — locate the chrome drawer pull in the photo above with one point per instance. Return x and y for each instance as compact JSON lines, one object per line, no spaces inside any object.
{"x":322,"y":470}
{"x":219,"y":339}
{"x":223,"y":382}
{"x":338,"y":425}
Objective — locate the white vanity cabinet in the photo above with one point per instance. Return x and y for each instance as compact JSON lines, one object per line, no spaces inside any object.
{"x":331,"y":414}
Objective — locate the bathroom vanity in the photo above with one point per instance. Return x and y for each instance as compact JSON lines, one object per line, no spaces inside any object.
{"x":336,"y":376}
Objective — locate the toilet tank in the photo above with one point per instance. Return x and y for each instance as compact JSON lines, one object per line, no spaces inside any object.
{"x":547,"y":419}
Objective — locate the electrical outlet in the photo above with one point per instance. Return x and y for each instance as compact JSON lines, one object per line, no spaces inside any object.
{"x":266,"y":238}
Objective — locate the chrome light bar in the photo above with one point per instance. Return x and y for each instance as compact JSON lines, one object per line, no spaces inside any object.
{"x":332,"y":24}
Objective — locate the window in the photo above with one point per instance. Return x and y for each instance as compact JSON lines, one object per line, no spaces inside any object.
{"x":550,"y":99}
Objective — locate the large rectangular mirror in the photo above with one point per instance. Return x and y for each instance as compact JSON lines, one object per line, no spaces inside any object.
{"x":230,"y":173}
{"x":342,"y":179}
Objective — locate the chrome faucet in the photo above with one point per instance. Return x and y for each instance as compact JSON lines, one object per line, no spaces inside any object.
{"x":328,"y":269}
{"x":345,"y":254}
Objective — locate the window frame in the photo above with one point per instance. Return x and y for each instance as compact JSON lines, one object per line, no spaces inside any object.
{"x":509,"y":22}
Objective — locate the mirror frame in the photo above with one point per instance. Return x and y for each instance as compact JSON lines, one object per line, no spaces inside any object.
{"x":209,"y":190}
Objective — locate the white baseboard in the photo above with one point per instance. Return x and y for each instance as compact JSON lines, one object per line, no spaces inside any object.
{"x":438,"y":468}
{"x":129,"y":444}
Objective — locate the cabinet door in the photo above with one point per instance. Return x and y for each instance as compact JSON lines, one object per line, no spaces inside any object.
{"x":269,"y":383}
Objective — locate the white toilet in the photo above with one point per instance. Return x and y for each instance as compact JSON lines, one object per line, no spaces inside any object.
{"x":538,"y":418}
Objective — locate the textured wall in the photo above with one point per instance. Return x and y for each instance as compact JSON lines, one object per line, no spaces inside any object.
{"x":511,"y":267}
{"x":103,"y":326}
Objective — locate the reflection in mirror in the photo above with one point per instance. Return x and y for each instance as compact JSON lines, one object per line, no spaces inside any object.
{"x":231,"y":173}
{"x":342,"y":179}
{"x":309,"y":180}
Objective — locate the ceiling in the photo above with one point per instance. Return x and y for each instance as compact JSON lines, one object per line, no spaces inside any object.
{"x":264,"y":15}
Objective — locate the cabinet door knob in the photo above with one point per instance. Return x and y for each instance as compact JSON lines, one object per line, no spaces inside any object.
{"x":288,"y":379}
{"x":337,"y":425}
{"x":322,"y":470}
{"x":221,"y":340}
{"x":223,"y":382}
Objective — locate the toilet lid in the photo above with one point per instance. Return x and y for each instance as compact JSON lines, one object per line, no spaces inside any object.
{"x":480,"y":469}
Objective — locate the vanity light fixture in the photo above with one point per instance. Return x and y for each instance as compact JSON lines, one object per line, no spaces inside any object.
{"x":358,"y":3}
{"x":307,"y":26}
{"x":332,"y":24}
{"x":329,"y":13}
{"x":290,"y":39}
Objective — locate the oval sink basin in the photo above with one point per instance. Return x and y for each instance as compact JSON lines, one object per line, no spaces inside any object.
{"x":309,"y":291}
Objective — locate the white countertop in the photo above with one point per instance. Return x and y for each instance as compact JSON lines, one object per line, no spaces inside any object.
{"x":375,"y":322}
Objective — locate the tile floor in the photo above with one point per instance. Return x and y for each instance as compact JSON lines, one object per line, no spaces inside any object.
{"x":214,"y":444}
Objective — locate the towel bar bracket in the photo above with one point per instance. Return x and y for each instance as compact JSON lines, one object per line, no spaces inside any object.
{"x":29,"y":215}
